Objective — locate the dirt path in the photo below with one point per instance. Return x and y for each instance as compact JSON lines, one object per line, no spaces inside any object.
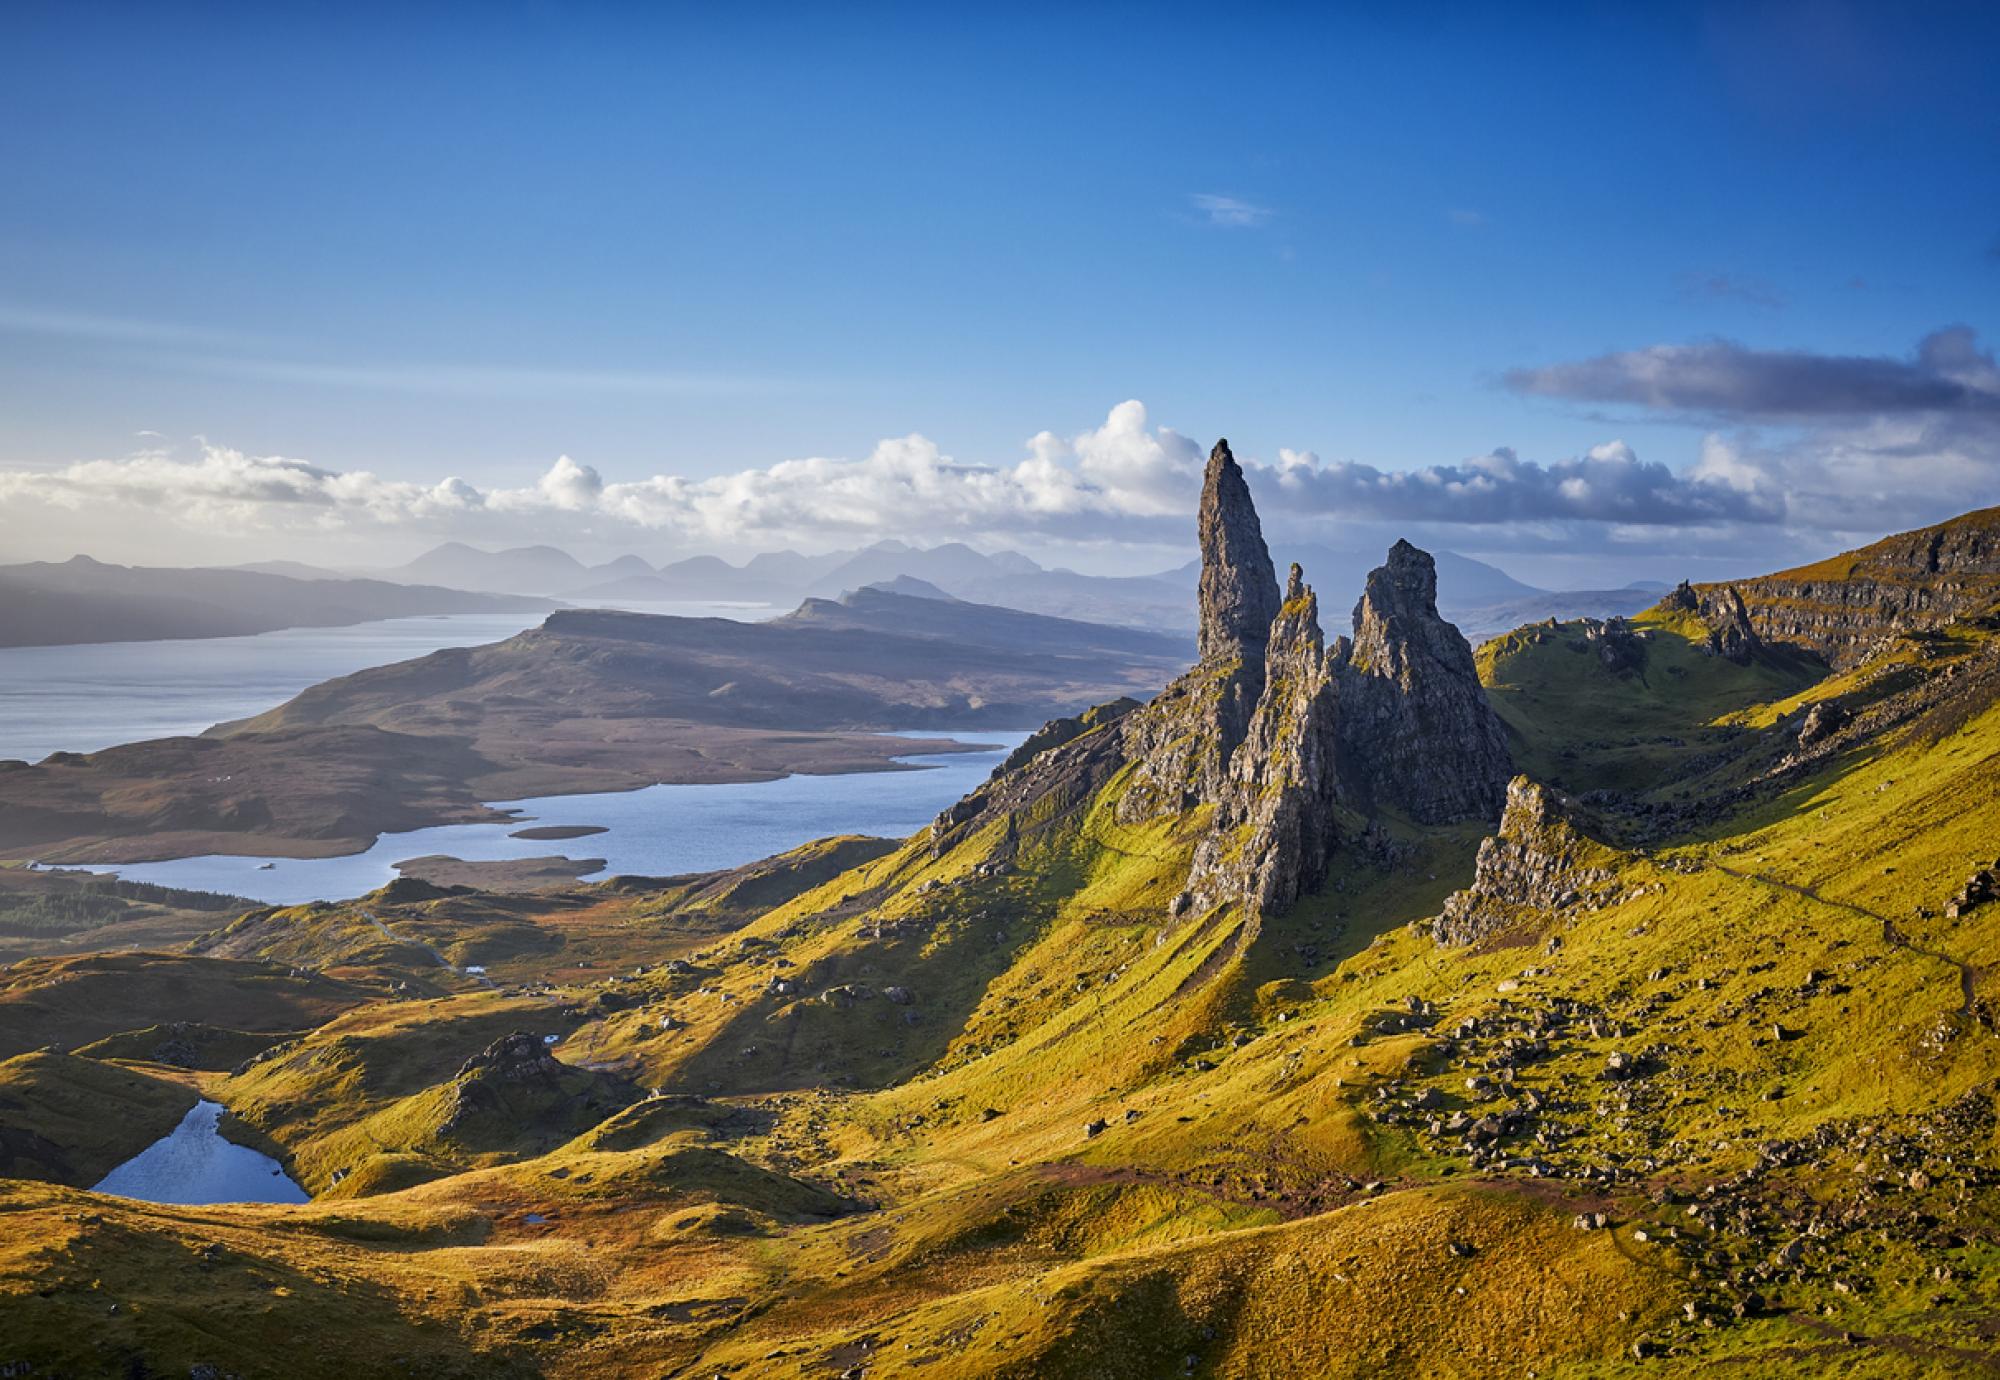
{"x":430,"y":949}
{"x":1891,"y":935}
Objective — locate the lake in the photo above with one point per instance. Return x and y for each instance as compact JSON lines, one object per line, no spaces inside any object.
{"x":97,"y":695}
{"x":654,"y":832}
{"x":193,"y":1164}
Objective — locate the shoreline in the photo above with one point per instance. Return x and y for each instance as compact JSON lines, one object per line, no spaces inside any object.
{"x":110,"y":851}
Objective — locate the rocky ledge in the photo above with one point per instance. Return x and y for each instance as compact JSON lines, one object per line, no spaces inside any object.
{"x":1540,"y":864}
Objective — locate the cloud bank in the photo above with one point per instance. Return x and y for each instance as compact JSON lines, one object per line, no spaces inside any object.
{"x":1845,"y":443}
{"x":1796,"y":449}
{"x":1948,"y":373}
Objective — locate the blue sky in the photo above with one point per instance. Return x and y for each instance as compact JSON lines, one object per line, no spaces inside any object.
{"x":690,"y":242}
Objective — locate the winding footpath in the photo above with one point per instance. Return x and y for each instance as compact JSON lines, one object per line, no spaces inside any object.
{"x":1891,"y":935}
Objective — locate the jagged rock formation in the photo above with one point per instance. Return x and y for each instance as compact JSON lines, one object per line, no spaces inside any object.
{"x":1065,"y":774}
{"x":1273,"y":733}
{"x":1275,"y":829}
{"x":1539,"y":863}
{"x":1184,"y":740}
{"x":1416,"y":731}
{"x":1731,"y":634}
{"x":1843,"y":608}
{"x":1239,"y":586}
{"x":1056,"y":732}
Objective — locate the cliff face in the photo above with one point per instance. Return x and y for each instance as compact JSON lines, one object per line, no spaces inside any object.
{"x":1274,"y":829}
{"x":1842,"y":608}
{"x":1416,"y":732}
{"x":1183,"y":741}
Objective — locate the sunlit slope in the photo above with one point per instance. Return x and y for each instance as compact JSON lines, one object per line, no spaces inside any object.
{"x":982,"y":1104}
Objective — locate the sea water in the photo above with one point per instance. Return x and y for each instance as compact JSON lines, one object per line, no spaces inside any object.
{"x":96,"y":695}
{"x":657,"y":831}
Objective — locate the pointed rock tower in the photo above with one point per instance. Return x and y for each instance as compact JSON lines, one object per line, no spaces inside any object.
{"x":1184,"y":740}
{"x":1239,"y":587}
{"x":1278,"y":747}
{"x":1416,"y":731}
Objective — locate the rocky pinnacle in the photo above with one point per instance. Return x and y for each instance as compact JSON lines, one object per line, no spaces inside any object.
{"x":1239,"y":587}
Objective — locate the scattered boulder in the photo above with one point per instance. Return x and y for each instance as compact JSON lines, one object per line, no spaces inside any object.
{"x":1822,"y":721}
{"x":1981,"y":887}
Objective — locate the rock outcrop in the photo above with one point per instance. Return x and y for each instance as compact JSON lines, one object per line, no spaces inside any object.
{"x":1842,"y":609}
{"x":1184,"y":740}
{"x":1056,"y":732}
{"x":1539,"y":864}
{"x":1075,"y":760}
{"x":1822,"y":721}
{"x":1416,"y":731}
{"x":1273,"y":734}
{"x":1730,"y":632}
{"x":1239,"y":585}
{"x":1275,"y":829}
{"x":515,"y":1092}
{"x":518,"y":1057}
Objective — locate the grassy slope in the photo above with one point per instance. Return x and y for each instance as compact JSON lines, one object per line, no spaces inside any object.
{"x":53,"y":1123}
{"x":1266,"y":1196}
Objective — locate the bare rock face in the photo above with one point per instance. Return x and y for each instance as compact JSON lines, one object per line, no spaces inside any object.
{"x":1730,"y":633}
{"x":1538,"y":865}
{"x":1239,"y":587}
{"x":1281,"y":740}
{"x":1075,"y":759}
{"x":1416,"y":731}
{"x":1056,"y":732}
{"x":1844,"y":608}
{"x":1275,"y":829}
{"x":1184,"y":739}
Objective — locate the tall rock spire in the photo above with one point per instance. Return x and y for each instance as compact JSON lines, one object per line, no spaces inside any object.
{"x":1184,"y":739}
{"x":1416,"y":730}
{"x":1239,"y":587}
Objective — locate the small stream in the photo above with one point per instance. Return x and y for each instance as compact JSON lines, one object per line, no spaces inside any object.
{"x":193,"y":1164}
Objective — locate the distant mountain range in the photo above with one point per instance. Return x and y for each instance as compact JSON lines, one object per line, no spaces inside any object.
{"x":1481,"y":598}
{"x":82,"y":600}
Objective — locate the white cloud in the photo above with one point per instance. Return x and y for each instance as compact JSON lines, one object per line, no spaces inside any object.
{"x":1230,"y":212}
{"x":1125,"y":484}
{"x":1123,"y":472}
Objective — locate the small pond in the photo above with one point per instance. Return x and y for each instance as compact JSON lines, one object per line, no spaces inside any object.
{"x":193,"y":1164}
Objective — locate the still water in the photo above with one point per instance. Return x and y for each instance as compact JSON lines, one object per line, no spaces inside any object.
{"x":80,"y":699}
{"x":194,"y":1164}
{"x":655,"y":832}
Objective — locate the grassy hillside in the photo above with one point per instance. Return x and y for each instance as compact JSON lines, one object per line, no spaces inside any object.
{"x":1710,"y":1091}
